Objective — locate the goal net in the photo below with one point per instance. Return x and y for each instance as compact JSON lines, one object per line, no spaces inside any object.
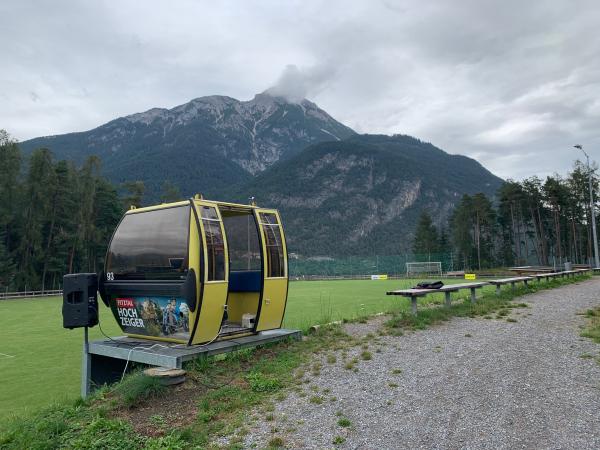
{"x":423,"y":268}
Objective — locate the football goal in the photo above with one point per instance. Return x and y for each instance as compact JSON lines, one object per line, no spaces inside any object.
{"x":423,"y":268}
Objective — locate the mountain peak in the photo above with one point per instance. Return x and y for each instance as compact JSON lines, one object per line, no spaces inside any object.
{"x":214,"y":134}
{"x":270,"y":98}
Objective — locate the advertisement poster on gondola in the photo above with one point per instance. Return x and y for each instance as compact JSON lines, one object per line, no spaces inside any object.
{"x":159,"y":316}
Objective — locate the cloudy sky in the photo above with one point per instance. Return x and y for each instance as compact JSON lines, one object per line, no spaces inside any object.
{"x":513,"y":84}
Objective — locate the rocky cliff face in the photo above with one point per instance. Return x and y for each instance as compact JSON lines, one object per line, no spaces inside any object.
{"x":364,"y":195}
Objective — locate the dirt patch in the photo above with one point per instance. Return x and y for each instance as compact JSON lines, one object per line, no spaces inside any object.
{"x":175,"y":408}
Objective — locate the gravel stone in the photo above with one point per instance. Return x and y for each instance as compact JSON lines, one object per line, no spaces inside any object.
{"x":510,"y":385}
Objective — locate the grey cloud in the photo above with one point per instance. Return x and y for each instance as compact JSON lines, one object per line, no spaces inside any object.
{"x":296,"y":84}
{"x":511,"y":83}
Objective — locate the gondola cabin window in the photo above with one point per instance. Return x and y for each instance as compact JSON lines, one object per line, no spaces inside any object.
{"x":150,"y":245}
{"x":274,"y":244}
{"x":215,"y":249}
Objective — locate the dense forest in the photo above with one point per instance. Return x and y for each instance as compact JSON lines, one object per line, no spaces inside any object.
{"x":57,"y":217}
{"x":533,"y":221}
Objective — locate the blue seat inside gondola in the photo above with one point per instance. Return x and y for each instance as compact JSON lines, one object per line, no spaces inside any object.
{"x":245,"y":281}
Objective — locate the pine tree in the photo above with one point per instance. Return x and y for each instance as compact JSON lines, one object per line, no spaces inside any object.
{"x":7,"y":266}
{"x":135,"y":193}
{"x":444,"y":242}
{"x":426,"y":236}
{"x":36,"y":210}
{"x":107,"y":213}
{"x":10,"y":191}
{"x":170,"y":193}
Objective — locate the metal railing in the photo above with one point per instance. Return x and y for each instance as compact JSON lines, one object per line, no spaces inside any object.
{"x":27,"y":294}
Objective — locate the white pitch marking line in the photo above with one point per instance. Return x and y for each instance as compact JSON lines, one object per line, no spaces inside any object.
{"x":8,"y":356}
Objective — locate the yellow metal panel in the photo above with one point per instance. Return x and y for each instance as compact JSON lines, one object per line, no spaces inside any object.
{"x":155,"y":207}
{"x":211,"y":313}
{"x":214,"y":293}
{"x":240,"y":303}
{"x":236,"y":205}
{"x":158,"y":338}
{"x":194,"y":263}
{"x":275,"y":290}
{"x":235,"y":336}
{"x":273,"y":304}
{"x":185,"y":202}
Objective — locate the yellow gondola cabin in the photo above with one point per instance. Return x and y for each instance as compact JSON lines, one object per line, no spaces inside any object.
{"x":196,"y":271}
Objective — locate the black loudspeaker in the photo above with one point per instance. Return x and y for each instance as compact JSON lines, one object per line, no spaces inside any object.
{"x":80,"y":300}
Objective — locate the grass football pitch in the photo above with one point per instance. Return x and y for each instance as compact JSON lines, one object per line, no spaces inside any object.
{"x":40,"y":362}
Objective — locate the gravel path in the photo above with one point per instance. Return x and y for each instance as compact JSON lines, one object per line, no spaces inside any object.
{"x":468,"y":383}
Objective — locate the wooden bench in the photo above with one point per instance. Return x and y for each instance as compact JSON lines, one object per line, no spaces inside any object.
{"x":511,"y":281}
{"x":413,"y":294}
{"x":575,"y":272}
{"x":546,"y":276}
{"x":446,"y":289}
{"x":531,"y":270}
{"x":456,"y":273}
{"x":565,"y":273}
{"x":449,"y":288}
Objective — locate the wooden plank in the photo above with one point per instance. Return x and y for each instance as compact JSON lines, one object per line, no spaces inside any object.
{"x":510,"y":280}
{"x":531,"y":269}
{"x":411,"y":292}
{"x":459,"y":286}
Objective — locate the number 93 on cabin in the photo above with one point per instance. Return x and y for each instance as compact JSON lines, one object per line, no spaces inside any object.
{"x":196,"y":271}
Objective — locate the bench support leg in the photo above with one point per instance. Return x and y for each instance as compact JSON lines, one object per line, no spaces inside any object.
{"x":498,"y":289}
{"x":512,"y":286}
{"x":473,"y":296}
{"x":525,"y":282}
{"x":447,"y":299}
{"x":413,"y":305}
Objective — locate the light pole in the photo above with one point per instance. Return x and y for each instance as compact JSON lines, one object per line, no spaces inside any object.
{"x":592,"y":209}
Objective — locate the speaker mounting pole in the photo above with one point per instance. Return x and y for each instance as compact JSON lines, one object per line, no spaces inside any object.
{"x":86,"y":365}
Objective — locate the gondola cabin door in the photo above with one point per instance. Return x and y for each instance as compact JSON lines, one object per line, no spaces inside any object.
{"x":214,"y":272}
{"x":275,"y":270}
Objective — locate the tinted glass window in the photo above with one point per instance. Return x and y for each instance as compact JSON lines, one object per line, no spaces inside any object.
{"x":215,"y":248}
{"x":274,"y":244}
{"x":242,"y":241}
{"x":151,"y":245}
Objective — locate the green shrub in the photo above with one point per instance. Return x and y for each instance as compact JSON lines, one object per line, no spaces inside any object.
{"x":171,"y":441}
{"x":338,"y":440}
{"x":138,"y":387}
{"x":104,"y":433}
{"x":261,"y":383}
{"x":276,"y":442}
{"x":344,"y":422}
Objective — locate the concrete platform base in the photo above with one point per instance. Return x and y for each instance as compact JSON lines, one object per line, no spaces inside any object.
{"x":105,"y":361}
